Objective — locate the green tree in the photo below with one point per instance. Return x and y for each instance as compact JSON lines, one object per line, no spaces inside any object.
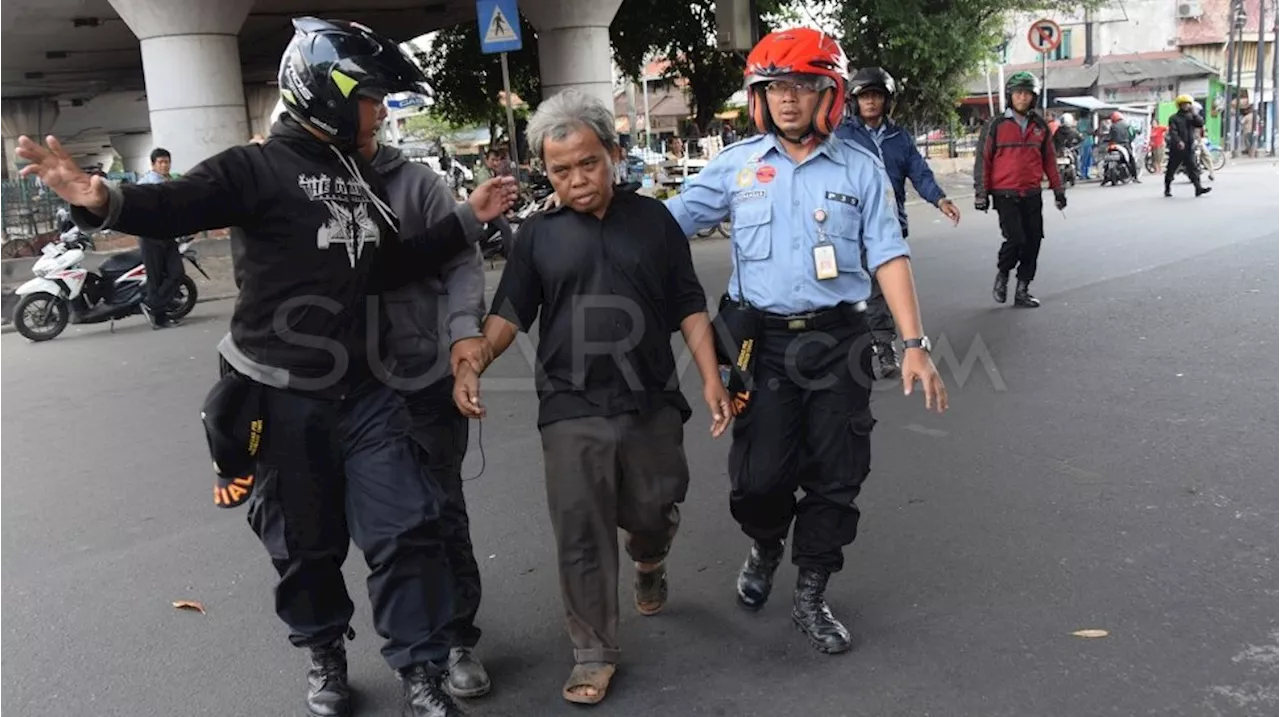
{"x":930,"y":46}
{"x":429,"y":125}
{"x":684,"y":34}
{"x":468,"y":83}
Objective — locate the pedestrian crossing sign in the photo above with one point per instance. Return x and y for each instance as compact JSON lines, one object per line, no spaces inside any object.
{"x":499,"y":25}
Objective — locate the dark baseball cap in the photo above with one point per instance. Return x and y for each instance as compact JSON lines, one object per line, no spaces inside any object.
{"x":232,"y":417}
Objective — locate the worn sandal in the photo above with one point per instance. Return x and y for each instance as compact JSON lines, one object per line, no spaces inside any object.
{"x":594,"y":675}
{"x":651,"y":590}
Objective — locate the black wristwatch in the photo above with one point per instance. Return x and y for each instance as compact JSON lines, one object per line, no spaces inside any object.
{"x":920,"y":343}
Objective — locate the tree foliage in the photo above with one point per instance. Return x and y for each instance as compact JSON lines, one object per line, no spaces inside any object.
{"x":684,"y":34}
{"x":468,"y":84}
{"x":430,"y":125}
{"x":930,"y":46}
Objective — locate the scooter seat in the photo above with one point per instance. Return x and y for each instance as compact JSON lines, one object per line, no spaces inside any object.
{"x":116,"y":265}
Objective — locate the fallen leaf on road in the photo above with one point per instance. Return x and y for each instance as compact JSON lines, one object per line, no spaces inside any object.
{"x":1090,"y":633}
{"x":189,"y":605}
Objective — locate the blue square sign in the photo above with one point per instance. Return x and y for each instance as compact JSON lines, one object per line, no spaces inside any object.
{"x":499,"y":25}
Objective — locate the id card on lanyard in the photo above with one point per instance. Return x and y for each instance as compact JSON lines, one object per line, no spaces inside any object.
{"x":824,"y":253}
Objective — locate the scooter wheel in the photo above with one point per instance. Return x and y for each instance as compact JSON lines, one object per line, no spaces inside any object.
{"x":185,"y":300}
{"x":32,"y":308}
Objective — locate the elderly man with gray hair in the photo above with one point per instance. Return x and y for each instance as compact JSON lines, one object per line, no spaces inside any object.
{"x":608,"y":275}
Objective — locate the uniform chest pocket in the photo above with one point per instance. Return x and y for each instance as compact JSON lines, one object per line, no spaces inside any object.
{"x":844,"y":229}
{"x":752,"y":238}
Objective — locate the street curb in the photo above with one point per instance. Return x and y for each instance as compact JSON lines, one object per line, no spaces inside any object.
{"x":8,"y":328}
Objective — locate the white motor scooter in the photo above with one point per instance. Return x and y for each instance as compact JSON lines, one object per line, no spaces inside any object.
{"x":65,"y":292}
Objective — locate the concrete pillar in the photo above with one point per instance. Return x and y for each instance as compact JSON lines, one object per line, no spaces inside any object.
{"x":261,"y":100}
{"x":191,"y":63}
{"x":135,"y":151}
{"x":573,"y":45}
{"x":33,"y":117}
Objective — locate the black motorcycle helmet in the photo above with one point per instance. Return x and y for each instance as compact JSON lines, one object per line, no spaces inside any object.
{"x":330,"y":64}
{"x":872,"y":78}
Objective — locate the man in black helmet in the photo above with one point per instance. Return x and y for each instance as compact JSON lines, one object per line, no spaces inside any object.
{"x":317,"y":237}
{"x":871,"y":92}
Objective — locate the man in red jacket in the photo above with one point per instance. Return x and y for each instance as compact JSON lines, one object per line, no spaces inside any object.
{"x":1015,"y":152}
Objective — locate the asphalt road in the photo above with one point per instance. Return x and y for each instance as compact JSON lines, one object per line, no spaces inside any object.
{"x":1109,"y":462}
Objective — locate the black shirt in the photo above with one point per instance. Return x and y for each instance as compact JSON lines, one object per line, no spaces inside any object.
{"x":608,"y":293}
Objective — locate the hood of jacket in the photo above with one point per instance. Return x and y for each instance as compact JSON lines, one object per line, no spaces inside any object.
{"x":387,"y":159}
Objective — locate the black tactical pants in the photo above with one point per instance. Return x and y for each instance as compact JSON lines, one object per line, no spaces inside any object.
{"x":1022,"y":223}
{"x":334,"y":471}
{"x":441,"y":433}
{"x":808,"y":425}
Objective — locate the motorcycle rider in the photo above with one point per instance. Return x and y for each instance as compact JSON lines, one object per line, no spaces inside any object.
{"x":1182,"y":138}
{"x":335,"y":463}
{"x":1014,"y":154}
{"x":871,"y":92}
{"x":1120,"y":134}
{"x":1067,"y":136}
{"x":813,"y":222}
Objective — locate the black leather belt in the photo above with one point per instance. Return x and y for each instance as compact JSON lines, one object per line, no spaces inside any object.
{"x":820,"y":320}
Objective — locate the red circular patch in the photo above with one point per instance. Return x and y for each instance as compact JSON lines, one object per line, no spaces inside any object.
{"x":765,"y":174}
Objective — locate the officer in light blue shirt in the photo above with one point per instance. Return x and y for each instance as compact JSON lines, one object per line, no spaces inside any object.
{"x":813,"y":219}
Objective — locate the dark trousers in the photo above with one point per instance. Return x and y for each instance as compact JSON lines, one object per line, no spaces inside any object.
{"x":441,"y":433}
{"x":1022,"y":223}
{"x":808,"y":426}
{"x":1185,"y":158}
{"x":879,"y":318}
{"x":629,"y":472}
{"x":164,"y":272}
{"x":328,"y":469}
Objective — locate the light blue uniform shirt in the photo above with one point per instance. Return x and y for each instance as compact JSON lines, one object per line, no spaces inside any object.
{"x":152,"y":177}
{"x":781,"y":210}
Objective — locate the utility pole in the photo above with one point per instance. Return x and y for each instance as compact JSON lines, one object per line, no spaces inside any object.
{"x":1275,"y":78}
{"x":1232,"y":49}
{"x":1242,"y":18}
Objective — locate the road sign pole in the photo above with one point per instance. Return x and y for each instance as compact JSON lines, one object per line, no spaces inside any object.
{"x":1044,"y":83}
{"x":511,"y":117}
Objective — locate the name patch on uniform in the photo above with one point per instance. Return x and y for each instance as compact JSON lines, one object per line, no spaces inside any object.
{"x":753,"y":194}
{"x":843,"y":199}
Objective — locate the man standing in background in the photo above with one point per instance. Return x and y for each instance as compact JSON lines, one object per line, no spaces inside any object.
{"x":160,"y":254}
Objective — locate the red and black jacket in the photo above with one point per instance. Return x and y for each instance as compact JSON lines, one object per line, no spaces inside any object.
{"x":1012,"y":160}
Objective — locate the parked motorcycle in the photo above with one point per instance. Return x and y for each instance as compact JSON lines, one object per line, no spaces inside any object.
{"x":500,"y":234}
{"x":1115,"y":166}
{"x":1068,"y":160}
{"x":65,"y":292}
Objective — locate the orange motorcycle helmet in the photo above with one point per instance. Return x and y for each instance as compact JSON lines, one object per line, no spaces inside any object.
{"x":798,"y":51}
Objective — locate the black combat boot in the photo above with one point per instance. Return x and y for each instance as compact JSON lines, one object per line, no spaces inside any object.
{"x":467,"y":676}
{"x":425,"y":694}
{"x":328,"y":694}
{"x":1000,"y":292}
{"x":1201,"y":191}
{"x":1022,"y":296}
{"x":811,"y":615}
{"x":755,"y":581}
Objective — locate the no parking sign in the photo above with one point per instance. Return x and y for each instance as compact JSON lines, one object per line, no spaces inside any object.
{"x":1044,"y":36}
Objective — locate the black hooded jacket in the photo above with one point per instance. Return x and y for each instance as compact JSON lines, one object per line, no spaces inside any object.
{"x":315,"y":237}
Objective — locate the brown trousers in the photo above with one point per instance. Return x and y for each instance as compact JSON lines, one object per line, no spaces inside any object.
{"x":629,"y":472}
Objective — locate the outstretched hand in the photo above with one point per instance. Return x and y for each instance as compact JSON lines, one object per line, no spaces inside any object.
{"x":59,"y":172}
{"x":493,"y":198}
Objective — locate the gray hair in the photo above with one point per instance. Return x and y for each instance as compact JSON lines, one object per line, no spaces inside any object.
{"x":568,"y":112}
